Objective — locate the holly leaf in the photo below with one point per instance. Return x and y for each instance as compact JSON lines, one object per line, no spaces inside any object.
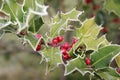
{"x":32,"y":40}
{"x":110,"y":74}
{"x":117,"y":59}
{"x":35,"y":24}
{"x":60,"y":21}
{"x":103,"y":57}
{"x":115,"y":6}
{"x":76,"y":64}
{"x":52,"y":56}
{"x":88,"y":35}
{"x":15,"y":10}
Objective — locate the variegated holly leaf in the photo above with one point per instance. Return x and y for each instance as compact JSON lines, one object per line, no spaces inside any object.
{"x":103,"y":57}
{"x":88,"y":35}
{"x":14,"y":9}
{"x":60,"y":21}
{"x":32,"y":40}
{"x":117,"y":59}
{"x":76,"y":64}
{"x":109,"y":74}
{"x":113,"y":6}
{"x":52,"y":56}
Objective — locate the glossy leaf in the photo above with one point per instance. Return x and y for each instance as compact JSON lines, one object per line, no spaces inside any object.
{"x":35,"y":24}
{"x":32,"y":40}
{"x":115,"y":6}
{"x":103,"y":57}
{"x":75,"y":64}
{"x":117,"y":59}
{"x":88,"y":35}
{"x":14,"y":9}
{"x":52,"y":56}
{"x":60,"y":21}
{"x":110,"y":74}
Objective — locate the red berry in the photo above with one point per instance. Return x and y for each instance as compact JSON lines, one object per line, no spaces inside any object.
{"x":54,"y":41}
{"x":95,"y":7}
{"x":60,"y":38}
{"x":66,"y":57}
{"x":74,"y":40}
{"x":118,"y":70}
{"x":38,"y":36}
{"x":63,"y":51}
{"x":38,"y":47}
{"x":65,"y":45}
{"x":105,"y":30}
{"x":92,"y":15}
{"x":116,"y":20}
{"x":88,"y":1}
{"x":87,"y":61}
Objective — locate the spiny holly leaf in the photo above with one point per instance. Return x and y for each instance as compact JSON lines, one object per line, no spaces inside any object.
{"x":88,"y":35}
{"x":60,"y":21}
{"x":35,"y":24}
{"x":110,"y":74}
{"x":92,"y":43}
{"x":76,"y":64}
{"x":117,"y":59}
{"x":29,"y":4}
{"x":4,"y":20}
{"x":102,"y":57}
{"x":33,"y":41}
{"x":115,"y":6}
{"x":15,"y":10}
{"x":52,"y":56}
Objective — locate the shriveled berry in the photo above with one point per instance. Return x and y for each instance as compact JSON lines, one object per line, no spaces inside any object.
{"x":54,"y":41}
{"x":118,"y":70}
{"x":105,"y":30}
{"x":60,"y":38}
{"x":92,"y":15}
{"x":88,"y":1}
{"x":87,"y":61}
{"x":96,"y":7}
{"x":38,"y":36}
{"x":66,"y":57}
{"x":38,"y":47}
{"x":116,"y":20}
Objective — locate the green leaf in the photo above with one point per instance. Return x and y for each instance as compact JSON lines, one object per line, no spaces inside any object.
{"x":29,"y":4}
{"x":102,"y":57}
{"x":113,"y":6}
{"x":88,"y":35}
{"x":117,"y":59}
{"x":110,"y":74}
{"x":15,"y":10}
{"x":35,"y":24}
{"x":52,"y":56}
{"x":76,"y":64}
{"x":60,"y":21}
{"x":32,"y":40}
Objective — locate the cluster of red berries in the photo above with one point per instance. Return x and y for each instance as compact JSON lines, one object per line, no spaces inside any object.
{"x":64,"y":47}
